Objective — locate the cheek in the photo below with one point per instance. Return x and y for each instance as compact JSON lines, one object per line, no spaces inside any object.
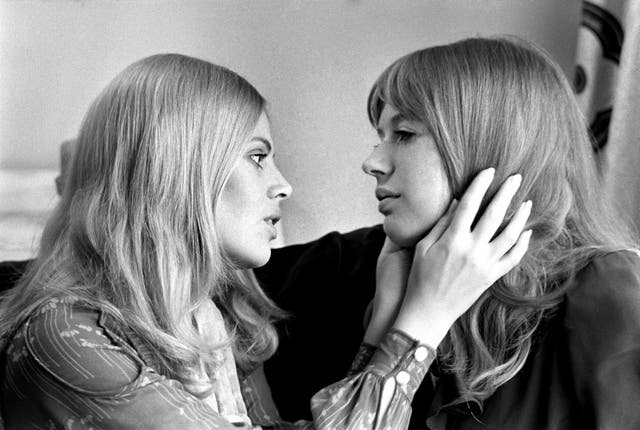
{"x":238,"y":221}
{"x":231,"y":195}
{"x":424,"y":200}
{"x":238,"y":198}
{"x":243,"y":240}
{"x":410,"y":223}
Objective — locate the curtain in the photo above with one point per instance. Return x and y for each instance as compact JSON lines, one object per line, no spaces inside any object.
{"x":607,"y":83}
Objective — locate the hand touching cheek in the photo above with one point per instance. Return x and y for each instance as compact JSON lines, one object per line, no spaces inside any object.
{"x":453,"y":265}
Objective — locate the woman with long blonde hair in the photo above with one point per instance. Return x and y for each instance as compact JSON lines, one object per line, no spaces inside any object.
{"x":552,"y":344}
{"x":555,"y":342}
{"x":141,"y":309}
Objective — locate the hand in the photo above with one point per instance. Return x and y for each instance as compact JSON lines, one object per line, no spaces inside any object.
{"x":392,"y":272}
{"x":453,"y":265}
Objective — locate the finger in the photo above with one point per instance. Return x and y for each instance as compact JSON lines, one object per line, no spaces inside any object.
{"x":438,"y":229}
{"x":493,"y":216}
{"x":515,"y":254}
{"x":471,"y":199}
{"x":512,"y":232}
{"x":389,"y":246}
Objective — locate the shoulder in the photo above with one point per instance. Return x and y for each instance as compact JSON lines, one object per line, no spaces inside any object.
{"x":612,"y":279}
{"x":331,"y":244}
{"x":603,"y":305}
{"x":67,"y":341}
{"x":327,"y":256}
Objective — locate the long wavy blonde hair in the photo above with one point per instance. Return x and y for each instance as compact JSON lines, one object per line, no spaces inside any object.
{"x":505,"y":103}
{"x":135,"y":229}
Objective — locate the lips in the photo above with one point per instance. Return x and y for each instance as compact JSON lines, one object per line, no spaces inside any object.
{"x":272,"y":219}
{"x":271,"y":222}
{"x":386,"y":198}
{"x":383,"y":193}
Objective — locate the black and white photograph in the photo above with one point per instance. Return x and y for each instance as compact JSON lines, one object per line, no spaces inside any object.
{"x":319,"y":214}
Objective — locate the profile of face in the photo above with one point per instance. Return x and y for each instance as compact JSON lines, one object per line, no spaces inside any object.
{"x":249,"y":205}
{"x":412,"y":187}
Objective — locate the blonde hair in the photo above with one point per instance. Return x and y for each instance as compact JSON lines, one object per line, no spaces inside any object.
{"x":135,"y":230}
{"x":504,"y":103}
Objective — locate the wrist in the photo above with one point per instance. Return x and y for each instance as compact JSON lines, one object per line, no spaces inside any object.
{"x":428,"y":327}
{"x":378,"y":326}
{"x":385,"y":310}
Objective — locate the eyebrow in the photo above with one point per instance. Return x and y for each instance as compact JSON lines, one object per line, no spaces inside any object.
{"x":395,"y":120}
{"x":264,"y":141}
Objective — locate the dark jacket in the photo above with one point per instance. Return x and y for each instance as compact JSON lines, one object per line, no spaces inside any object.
{"x":583,"y":371}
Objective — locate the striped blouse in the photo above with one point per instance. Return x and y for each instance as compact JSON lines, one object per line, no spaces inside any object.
{"x":73,"y":367}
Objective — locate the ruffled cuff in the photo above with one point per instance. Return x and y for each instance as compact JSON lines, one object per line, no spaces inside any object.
{"x":403,"y":358}
{"x":380,"y":395}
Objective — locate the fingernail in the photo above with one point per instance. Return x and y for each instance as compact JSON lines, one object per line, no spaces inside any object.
{"x":516,"y":179}
{"x":528,"y":233}
{"x":490,"y":171}
{"x":527,"y":205}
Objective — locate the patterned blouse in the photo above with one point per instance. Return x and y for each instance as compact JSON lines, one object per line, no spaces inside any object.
{"x":73,"y":367}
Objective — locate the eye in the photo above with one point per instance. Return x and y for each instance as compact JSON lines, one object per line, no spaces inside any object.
{"x":258,"y":158}
{"x":403,"y":135}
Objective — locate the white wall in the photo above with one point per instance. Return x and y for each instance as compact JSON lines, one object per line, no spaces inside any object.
{"x":313,"y":60}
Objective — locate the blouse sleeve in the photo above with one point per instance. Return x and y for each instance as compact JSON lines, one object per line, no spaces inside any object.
{"x":376,"y":395}
{"x":380,"y":396}
{"x":75,"y":374}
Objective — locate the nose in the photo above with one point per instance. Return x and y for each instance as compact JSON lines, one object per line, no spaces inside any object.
{"x":280,"y":188}
{"x":375,"y":164}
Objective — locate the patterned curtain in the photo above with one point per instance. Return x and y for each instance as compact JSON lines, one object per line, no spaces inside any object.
{"x":607,"y":83}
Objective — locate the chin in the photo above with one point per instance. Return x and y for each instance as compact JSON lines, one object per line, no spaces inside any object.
{"x":257,"y":259}
{"x":403,"y":235}
{"x":251,"y":257}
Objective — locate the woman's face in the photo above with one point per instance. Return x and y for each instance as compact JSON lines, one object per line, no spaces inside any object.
{"x":412,"y":187}
{"x":249,"y":204}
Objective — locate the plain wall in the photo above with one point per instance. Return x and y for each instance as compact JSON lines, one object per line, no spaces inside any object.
{"x":313,"y":60}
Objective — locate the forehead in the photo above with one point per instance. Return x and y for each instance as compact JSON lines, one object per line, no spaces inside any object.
{"x":263,"y":128}
{"x":388,"y":113}
{"x":390,"y":117}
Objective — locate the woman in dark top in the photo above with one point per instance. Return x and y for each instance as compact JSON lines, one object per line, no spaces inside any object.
{"x":555,"y":343}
